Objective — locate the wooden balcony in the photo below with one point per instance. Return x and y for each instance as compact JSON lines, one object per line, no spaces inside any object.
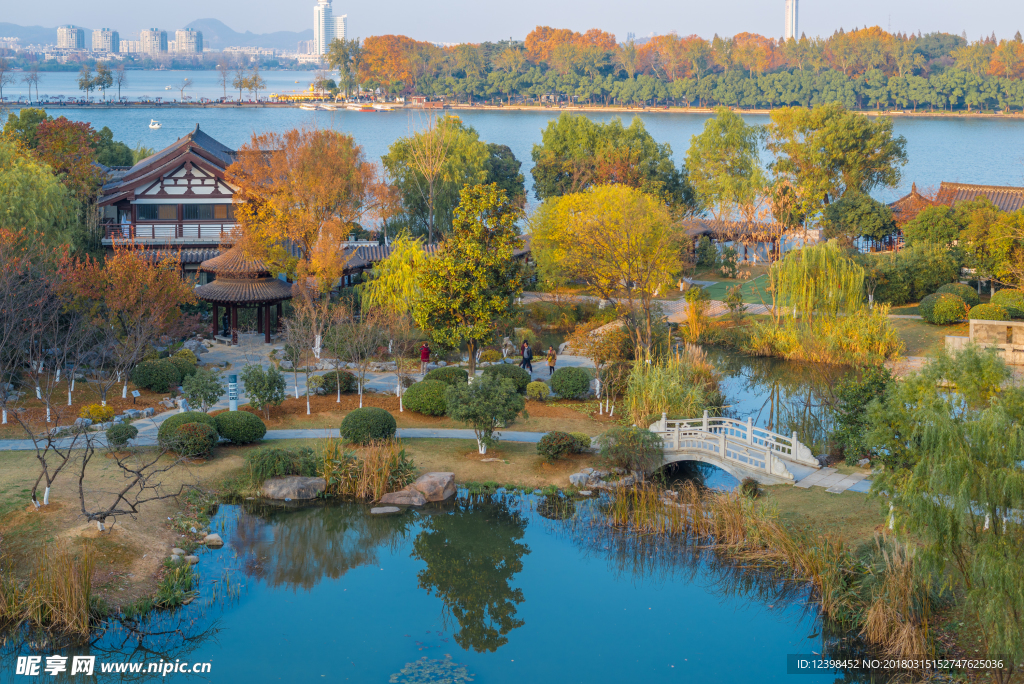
{"x":169,"y":232}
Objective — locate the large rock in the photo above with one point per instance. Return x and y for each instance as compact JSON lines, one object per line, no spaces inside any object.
{"x":293,"y":487}
{"x":404,"y":497}
{"x":213,"y":541}
{"x":435,"y":486}
{"x":195,"y":346}
{"x":579,"y":479}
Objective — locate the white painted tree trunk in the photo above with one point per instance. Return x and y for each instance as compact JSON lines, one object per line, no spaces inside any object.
{"x":46,"y":497}
{"x":69,"y":396}
{"x":99,"y":526}
{"x":72,"y":383}
{"x":481,"y":447}
{"x":5,"y":417}
{"x":47,"y":413}
{"x":39,"y":392}
{"x":398,"y":391}
{"x":307,"y":403}
{"x":35,"y":503}
{"x":124,"y":390}
{"x":360,"y":394}
{"x":892,"y":517}
{"x":295,"y":378}
{"x":57,"y":379}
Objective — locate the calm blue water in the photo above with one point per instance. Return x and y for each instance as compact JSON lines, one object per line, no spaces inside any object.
{"x":499,"y":585}
{"x":985,"y":151}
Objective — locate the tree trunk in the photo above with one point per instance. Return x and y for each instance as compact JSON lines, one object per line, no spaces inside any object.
{"x":471,"y":346}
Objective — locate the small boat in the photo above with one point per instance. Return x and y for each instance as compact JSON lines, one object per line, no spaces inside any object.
{"x":356,"y":107}
{"x":169,"y":88}
{"x":154,"y":124}
{"x":383,"y":108}
{"x":328,"y":107}
{"x":308,"y":107}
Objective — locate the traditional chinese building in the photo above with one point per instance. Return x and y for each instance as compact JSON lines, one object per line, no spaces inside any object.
{"x":176,"y":200}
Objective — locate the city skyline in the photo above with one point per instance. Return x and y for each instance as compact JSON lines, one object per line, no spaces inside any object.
{"x":647,"y":17}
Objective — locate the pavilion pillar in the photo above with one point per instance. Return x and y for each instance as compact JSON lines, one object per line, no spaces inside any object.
{"x":215,"y":321}
{"x":234,"y":324}
{"x":259,"y":318}
{"x":266,"y":326}
{"x":280,"y":313}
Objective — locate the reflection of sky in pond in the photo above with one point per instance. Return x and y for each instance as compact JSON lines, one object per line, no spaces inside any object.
{"x":511,"y":591}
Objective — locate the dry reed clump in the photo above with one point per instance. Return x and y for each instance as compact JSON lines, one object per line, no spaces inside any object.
{"x":887,"y":601}
{"x":57,"y":596}
{"x":682,"y":385}
{"x":862,"y":337}
{"x":381,"y":467}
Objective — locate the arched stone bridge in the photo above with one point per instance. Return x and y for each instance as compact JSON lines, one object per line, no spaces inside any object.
{"x":739,"y":448}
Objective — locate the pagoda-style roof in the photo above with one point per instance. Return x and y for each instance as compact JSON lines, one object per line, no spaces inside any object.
{"x":235,"y":263}
{"x":241,"y":280}
{"x":1005,"y":197}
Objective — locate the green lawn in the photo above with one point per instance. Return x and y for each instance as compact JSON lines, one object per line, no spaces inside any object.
{"x":925,"y":339}
{"x":753,"y":290}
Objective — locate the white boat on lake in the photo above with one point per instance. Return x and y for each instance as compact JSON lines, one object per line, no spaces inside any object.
{"x":154,"y":124}
{"x":308,"y":107}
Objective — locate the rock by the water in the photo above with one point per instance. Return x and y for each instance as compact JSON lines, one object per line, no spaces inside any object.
{"x":579,"y":479}
{"x":191,"y":560}
{"x":213,"y":541}
{"x":177,"y":552}
{"x":404,"y":497}
{"x":175,"y":558}
{"x":864,"y":463}
{"x":293,"y":487}
{"x":385,"y":510}
{"x":586,"y":492}
{"x":435,"y":486}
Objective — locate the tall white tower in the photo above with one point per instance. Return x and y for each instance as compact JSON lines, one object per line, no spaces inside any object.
{"x":791,"y":15}
{"x":326,"y":27}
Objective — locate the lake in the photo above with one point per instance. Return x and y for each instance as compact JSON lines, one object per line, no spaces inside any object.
{"x":985,"y":151}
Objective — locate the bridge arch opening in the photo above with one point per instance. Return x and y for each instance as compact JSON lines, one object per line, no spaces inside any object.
{"x":699,"y":472}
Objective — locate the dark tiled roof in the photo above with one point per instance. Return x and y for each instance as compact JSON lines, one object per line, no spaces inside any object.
{"x":201,"y":139}
{"x":234,"y":262}
{"x":365,"y":256}
{"x":907,"y":208}
{"x":184,"y":256}
{"x":1006,"y":198}
{"x":245,"y":290}
{"x":728,"y":229}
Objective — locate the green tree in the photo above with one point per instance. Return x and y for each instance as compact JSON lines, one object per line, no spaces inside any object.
{"x":488,"y":403}
{"x":24,"y":126}
{"x":819,"y":279}
{"x":474,"y":280}
{"x":265,"y":388}
{"x":34,"y":198}
{"x":853,"y":394}
{"x":576,"y":153}
{"x":110,"y":152}
{"x":472,"y":555}
{"x":394,"y":286}
{"x":103,"y":79}
{"x":345,"y":56}
{"x":202,"y":389}
{"x":503,"y":169}
{"x":857,"y":214}
{"x":723,"y":165}
{"x":86,"y":83}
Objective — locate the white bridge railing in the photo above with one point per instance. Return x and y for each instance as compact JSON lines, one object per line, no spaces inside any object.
{"x":735,"y":442}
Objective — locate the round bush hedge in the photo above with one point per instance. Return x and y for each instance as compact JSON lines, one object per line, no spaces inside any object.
{"x":583,"y":442}
{"x":519,"y":377}
{"x":964,"y":292}
{"x":241,"y":427}
{"x":97,"y":413}
{"x":194,"y":440}
{"x":426,"y":397}
{"x":449,"y":375}
{"x":1011,"y":300}
{"x":943,"y":308}
{"x":571,"y":383}
{"x":157,"y":376}
{"x":364,"y":425}
{"x":490,"y":356}
{"x":537,"y":390}
{"x":185,"y":366}
{"x":989,"y":312}
{"x":556,"y":445}
{"x":170,"y":426}
{"x":118,"y":435}
{"x":332,"y":379}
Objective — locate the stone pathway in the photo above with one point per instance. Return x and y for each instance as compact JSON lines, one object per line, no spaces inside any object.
{"x":836,"y":482}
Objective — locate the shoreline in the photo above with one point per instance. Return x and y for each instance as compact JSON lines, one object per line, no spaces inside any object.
{"x":614,"y":109}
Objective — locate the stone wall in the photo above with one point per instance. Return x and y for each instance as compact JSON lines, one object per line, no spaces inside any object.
{"x":1006,"y":336}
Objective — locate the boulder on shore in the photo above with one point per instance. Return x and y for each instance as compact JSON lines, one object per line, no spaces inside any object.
{"x":213,"y":541}
{"x":435,"y":486}
{"x":293,"y":487}
{"x":404,"y":497}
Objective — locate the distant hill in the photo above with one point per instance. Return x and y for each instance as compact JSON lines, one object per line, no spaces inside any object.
{"x":34,"y":35}
{"x":217,"y":35}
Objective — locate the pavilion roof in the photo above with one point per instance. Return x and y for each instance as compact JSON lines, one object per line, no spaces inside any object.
{"x":265,"y":290}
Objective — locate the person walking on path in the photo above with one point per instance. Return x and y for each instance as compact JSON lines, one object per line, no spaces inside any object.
{"x":424,"y":358}
{"x":552,"y":360}
{"x":527,"y":357}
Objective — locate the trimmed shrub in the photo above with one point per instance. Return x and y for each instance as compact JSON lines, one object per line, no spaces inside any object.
{"x":556,"y":445}
{"x":537,"y":390}
{"x":989,"y":312}
{"x":571,"y":383}
{"x":97,"y":413}
{"x":632,"y":448}
{"x":943,"y":308}
{"x":519,"y":377}
{"x":1011,"y":300}
{"x":241,"y":427}
{"x":186,"y":355}
{"x":583,"y":442}
{"x":332,"y":379}
{"x":751,"y":488}
{"x":118,"y":435}
{"x":315,"y":385}
{"x":170,"y":426}
{"x":185,"y":366}
{"x":364,"y":425}
{"x":157,"y":376}
{"x":274,"y":462}
{"x":490,"y":356}
{"x":449,"y":375}
{"x":194,"y":440}
{"x":426,"y":397}
{"x":964,"y":292}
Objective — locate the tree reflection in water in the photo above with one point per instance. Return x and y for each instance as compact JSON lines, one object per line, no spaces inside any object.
{"x":298,"y":547}
{"x":473,"y":552}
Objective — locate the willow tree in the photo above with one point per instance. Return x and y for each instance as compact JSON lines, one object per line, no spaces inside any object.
{"x":819,"y":279}
{"x":394,"y":287}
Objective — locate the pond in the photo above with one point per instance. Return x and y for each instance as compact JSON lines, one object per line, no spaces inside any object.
{"x":486,"y":588}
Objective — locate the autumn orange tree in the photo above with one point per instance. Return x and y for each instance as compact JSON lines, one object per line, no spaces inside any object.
{"x":305,"y":190}
{"x":68,"y":147}
{"x":131,"y":301}
{"x":389,"y":61}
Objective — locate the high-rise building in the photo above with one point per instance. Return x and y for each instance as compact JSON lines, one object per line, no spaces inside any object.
{"x":188,"y":41}
{"x":791,"y":12}
{"x":105,"y":40}
{"x":70,"y":37}
{"x":152,"y":41}
{"x":327,"y":27}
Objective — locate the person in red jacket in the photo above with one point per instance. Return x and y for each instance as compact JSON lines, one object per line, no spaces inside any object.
{"x":424,"y":357}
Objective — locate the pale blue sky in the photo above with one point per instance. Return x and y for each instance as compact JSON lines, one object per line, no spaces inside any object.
{"x":473,"y":20}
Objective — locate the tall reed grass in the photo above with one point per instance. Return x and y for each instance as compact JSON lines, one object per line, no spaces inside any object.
{"x":862,"y":337}
{"x":378,"y":468}
{"x":57,"y":595}
{"x":883,"y":597}
{"x":682,"y":385}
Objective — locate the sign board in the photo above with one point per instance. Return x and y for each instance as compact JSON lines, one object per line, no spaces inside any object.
{"x":233,"y":387}
{"x":136,"y":394}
